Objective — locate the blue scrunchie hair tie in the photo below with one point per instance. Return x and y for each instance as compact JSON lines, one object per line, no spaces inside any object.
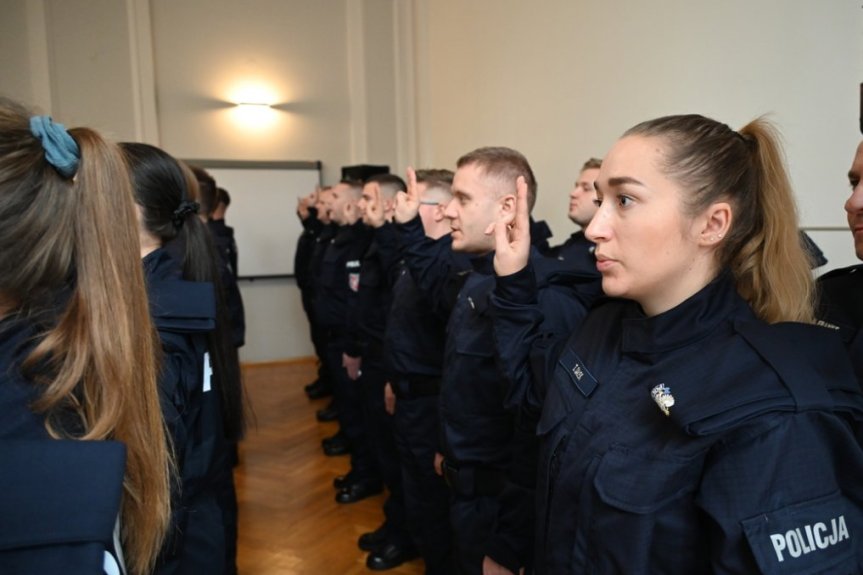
{"x":61,"y":150}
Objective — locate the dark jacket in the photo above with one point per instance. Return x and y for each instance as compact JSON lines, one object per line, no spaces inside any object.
{"x":752,"y":467}
{"x":338,"y":277}
{"x":481,"y":433}
{"x":59,"y":499}
{"x":840,"y":307}
{"x":184,"y":313}
{"x":226,"y":245}
{"x":577,"y":252}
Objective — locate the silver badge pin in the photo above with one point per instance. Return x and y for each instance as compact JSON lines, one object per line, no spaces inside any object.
{"x":662,"y":396}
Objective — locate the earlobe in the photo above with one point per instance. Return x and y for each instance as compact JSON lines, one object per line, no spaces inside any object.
{"x":716,"y":223}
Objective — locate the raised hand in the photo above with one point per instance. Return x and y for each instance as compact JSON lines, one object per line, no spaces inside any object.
{"x":375,"y":207}
{"x":512,"y":236}
{"x":305,"y":202}
{"x":408,"y":203}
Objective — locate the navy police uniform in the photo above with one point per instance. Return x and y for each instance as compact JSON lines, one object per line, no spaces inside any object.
{"x":368,"y":318}
{"x":482,"y":441}
{"x":184,"y":313}
{"x":310,"y":249}
{"x":841,"y":308}
{"x":226,"y":245}
{"x":700,"y":440}
{"x":577,"y":251}
{"x":335,"y":298}
{"x":413,"y":347}
{"x":59,"y":499}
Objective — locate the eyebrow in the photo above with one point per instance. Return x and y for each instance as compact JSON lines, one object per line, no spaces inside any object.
{"x":618,"y":181}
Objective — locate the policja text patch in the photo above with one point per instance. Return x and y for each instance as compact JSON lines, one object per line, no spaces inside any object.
{"x":806,"y":537}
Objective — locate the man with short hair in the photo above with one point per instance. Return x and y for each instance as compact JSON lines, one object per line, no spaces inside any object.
{"x":414,"y":349}
{"x":482,"y":441}
{"x":338,"y":285}
{"x":841,"y":305}
{"x":577,"y":250}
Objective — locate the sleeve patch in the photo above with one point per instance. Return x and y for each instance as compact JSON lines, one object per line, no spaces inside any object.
{"x":805,"y":537}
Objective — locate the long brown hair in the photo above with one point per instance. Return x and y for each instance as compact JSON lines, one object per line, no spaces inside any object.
{"x":747,"y":169}
{"x":70,"y":263}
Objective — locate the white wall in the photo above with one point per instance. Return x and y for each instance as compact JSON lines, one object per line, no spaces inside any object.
{"x":423,"y":81}
{"x":561,"y":80}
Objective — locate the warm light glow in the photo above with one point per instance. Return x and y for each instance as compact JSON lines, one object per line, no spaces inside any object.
{"x":253,"y":110}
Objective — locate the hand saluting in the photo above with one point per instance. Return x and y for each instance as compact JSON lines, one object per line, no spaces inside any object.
{"x":408,"y":203}
{"x":512,"y":236}
{"x":375,"y":216}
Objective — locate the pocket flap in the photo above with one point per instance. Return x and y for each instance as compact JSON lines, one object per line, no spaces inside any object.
{"x":641,"y":483}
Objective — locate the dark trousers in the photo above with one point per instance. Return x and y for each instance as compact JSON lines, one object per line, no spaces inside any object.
{"x":379,"y":425}
{"x":427,"y":497}
{"x":319,"y":339}
{"x":472,"y":520}
{"x":349,"y":397}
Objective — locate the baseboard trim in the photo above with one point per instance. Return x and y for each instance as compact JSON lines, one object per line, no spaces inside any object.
{"x":278,"y":362}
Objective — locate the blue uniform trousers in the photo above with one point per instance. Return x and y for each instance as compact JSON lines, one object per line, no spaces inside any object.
{"x":417,"y":434}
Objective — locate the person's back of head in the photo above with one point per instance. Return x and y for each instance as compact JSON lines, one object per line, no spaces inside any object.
{"x":208,"y":192}
{"x":222,"y":204}
{"x":69,"y":261}
{"x":162,"y":194}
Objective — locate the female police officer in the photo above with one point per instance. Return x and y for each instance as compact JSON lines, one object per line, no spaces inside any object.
{"x":77,"y":359}
{"x":684,"y":429}
{"x":182,"y":273}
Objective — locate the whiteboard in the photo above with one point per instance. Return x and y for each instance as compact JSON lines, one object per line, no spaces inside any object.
{"x":263,"y":211}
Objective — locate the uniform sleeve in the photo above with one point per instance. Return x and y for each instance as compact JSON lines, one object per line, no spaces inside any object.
{"x":786,"y":499}
{"x":433,"y":266}
{"x":529,"y":324}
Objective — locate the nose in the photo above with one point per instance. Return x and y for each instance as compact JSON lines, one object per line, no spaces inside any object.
{"x":599,"y":228}
{"x":854,"y":204}
{"x":449,"y":211}
{"x":573,"y":192}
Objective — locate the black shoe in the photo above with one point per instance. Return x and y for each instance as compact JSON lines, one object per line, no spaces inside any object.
{"x":358,"y":490}
{"x":336,"y":448}
{"x":342,"y":481}
{"x":373,"y":540}
{"x":389,"y":556}
{"x":329,"y":413}
{"x":337,"y":437}
{"x":319,"y":391}
{"x":309,"y":386}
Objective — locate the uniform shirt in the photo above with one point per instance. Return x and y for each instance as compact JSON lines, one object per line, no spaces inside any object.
{"x":753,"y":469}
{"x":184,"y":313}
{"x":577,"y":251}
{"x":368,"y":317}
{"x":478,"y":429}
{"x":415,"y":331}
{"x":59,"y":499}
{"x":339,"y":276}
{"x":226,"y":245}
{"x":841,"y":308}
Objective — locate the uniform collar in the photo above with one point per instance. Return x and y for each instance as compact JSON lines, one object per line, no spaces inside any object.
{"x":693,"y":319}
{"x":483,"y":264}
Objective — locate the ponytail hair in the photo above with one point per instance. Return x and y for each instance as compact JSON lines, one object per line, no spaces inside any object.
{"x":161,"y":189}
{"x":762,"y":249}
{"x":69,"y":263}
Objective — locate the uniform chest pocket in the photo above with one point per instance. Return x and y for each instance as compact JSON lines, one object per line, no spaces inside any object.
{"x":643,"y":483}
{"x":642,"y":513}
{"x":474,"y":335}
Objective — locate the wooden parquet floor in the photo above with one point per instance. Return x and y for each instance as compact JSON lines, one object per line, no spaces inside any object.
{"x":289,"y":522}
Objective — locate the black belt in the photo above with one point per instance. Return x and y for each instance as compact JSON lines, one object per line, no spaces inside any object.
{"x":474,"y":481}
